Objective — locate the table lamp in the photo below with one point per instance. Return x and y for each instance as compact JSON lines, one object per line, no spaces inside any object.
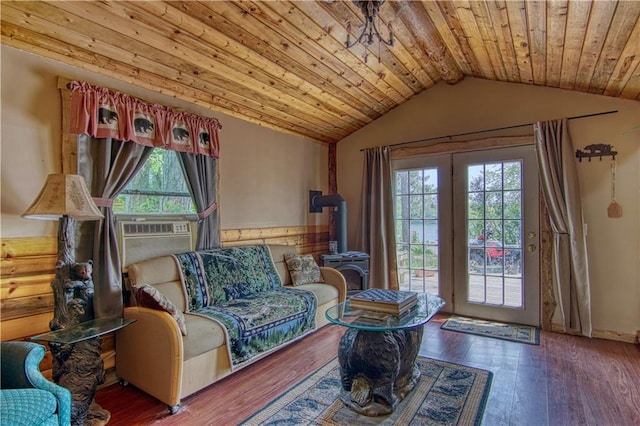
{"x":64,"y":197}
{"x":78,"y":367}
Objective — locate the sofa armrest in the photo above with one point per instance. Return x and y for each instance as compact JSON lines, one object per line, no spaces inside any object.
{"x":333,"y":277}
{"x":150,"y":353}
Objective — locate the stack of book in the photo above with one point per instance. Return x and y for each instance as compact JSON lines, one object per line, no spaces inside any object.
{"x":390,"y":301}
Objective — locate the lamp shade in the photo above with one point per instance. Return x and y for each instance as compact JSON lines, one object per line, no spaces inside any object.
{"x":61,"y":195}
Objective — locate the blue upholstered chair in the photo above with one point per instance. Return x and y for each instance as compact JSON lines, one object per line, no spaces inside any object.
{"x":26,"y":396}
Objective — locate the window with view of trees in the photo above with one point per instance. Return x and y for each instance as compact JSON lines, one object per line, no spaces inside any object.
{"x":158,"y":189}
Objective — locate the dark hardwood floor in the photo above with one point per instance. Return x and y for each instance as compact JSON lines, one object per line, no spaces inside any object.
{"x":566,"y":380}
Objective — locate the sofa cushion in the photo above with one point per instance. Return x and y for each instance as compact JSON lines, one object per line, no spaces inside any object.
{"x":238,"y":291}
{"x":162,"y":273}
{"x":277,"y":254}
{"x":303,"y":269}
{"x":206,"y":273}
{"x":264,"y":320}
{"x":149,"y":297}
{"x":324,"y":293}
{"x":204,"y":335}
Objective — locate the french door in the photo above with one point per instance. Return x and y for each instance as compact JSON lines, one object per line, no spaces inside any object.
{"x":467,"y":229}
{"x":495,"y":209}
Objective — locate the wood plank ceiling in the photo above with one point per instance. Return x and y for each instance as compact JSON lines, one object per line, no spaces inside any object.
{"x":283,"y":64}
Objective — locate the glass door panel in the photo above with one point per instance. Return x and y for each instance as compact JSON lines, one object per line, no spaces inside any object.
{"x":417,"y":229}
{"x":421,"y":197}
{"x":495,"y":229}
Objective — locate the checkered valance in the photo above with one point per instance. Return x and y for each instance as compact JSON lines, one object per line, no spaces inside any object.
{"x":103,"y":113}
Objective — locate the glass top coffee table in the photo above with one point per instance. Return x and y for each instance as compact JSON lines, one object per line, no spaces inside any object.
{"x":377,"y":354}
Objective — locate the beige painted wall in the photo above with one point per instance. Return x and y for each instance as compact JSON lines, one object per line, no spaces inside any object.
{"x":265,"y":176}
{"x":613,"y":244}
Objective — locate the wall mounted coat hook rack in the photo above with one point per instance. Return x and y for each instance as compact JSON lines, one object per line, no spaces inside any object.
{"x":596,"y":150}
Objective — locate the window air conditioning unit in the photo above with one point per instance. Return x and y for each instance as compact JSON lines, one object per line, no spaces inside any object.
{"x":141,"y":240}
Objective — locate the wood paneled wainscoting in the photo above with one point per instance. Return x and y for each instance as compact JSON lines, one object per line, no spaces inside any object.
{"x":28,"y":267}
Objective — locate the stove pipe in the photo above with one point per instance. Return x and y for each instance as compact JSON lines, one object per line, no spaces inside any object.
{"x":318,"y":201}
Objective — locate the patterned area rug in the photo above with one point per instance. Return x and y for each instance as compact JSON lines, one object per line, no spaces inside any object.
{"x":447,"y":394}
{"x":499,"y":330}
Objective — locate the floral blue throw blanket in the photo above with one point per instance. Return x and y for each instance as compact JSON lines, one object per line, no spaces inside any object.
{"x":240,"y":288}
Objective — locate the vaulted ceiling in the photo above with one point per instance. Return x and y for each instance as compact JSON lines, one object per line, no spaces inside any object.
{"x":284,"y":65}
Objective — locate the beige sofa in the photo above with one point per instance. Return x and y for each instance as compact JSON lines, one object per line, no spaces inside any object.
{"x":153,"y":355}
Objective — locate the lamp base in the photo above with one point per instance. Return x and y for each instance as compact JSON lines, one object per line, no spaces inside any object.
{"x":77,"y":366}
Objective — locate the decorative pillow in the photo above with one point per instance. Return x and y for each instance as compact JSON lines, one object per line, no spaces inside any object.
{"x":303,"y":269}
{"x":149,"y":297}
{"x":238,"y":291}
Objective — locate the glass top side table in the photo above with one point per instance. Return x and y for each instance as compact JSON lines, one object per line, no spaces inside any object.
{"x":84,"y":330}
{"x":81,"y":367}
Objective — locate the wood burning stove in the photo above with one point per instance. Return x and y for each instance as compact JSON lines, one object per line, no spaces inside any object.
{"x":354,"y":265}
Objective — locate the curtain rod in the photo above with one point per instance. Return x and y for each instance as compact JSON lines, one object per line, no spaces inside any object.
{"x":496,"y":129}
